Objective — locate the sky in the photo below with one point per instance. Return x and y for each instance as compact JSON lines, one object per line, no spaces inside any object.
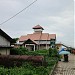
{"x":55,"y":16}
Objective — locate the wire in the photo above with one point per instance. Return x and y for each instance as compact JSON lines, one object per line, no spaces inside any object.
{"x":18,"y":12}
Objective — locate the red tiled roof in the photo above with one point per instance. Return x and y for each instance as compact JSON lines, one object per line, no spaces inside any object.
{"x":52,"y":36}
{"x":38,"y":27}
{"x":23,"y":38}
{"x":38,"y":36}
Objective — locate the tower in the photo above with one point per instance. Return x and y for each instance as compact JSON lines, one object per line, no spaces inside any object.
{"x":38,"y":29}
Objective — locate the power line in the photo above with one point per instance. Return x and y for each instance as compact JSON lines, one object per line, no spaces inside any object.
{"x":18,"y":13}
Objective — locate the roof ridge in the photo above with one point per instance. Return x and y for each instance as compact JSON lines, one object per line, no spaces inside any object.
{"x":38,"y":27}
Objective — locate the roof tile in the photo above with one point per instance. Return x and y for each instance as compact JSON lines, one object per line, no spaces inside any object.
{"x":38,"y":36}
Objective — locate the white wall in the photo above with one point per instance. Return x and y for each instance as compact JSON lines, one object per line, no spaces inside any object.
{"x":43,"y":42}
{"x":4,"y":41}
{"x":37,"y":30}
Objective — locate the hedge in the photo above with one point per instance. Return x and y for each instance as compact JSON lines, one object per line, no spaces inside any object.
{"x":17,"y":60}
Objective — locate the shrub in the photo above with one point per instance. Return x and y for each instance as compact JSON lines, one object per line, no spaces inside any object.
{"x":24,"y":51}
{"x":27,"y":68}
{"x":53,"y":52}
{"x":17,"y":60}
{"x":43,"y":52}
{"x":18,"y":51}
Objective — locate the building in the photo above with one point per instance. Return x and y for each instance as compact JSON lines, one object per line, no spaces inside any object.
{"x":38,"y":40}
{"x":5,"y":43}
{"x":59,"y":46}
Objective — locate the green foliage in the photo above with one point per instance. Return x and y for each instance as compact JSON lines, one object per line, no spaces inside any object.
{"x":28,"y":68}
{"x":53,"y":52}
{"x":43,"y":52}
{"x":15,"y":39}
{"x":24,"y":51}
{"x":38,"y":52}
{"x":18,"y":51}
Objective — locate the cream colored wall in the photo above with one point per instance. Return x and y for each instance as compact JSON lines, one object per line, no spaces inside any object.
{"x":28,"y":47}
{"x":60,"y":47}
{"x":48,"y":46}
{"x":4,"y":41}
{"x":44,"y":47}
{"x":4,"y":51}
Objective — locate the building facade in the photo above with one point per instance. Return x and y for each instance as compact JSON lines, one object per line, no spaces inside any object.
{"x":60,"y":46}
{"x":38,"y":40}
{"x":5,"y":43}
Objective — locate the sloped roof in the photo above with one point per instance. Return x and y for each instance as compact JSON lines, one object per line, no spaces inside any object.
{"x":29,"y":41}
{"x":2,"y":33}
{"x":38,"y":27}
{"x":38,"y":36}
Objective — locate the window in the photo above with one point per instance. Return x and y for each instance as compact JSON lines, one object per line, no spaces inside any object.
{"x":52,"y":42}
{"x":53,"y":46}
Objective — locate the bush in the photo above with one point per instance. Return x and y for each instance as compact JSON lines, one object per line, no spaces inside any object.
{"x":24,"y":51}
{"x":18,"y":51}
{"x":27,"y":68}
{"x":53,"y":52}
{"x":17,"y":60}
{"x":43,"y":52}
{"x":24,"y":71}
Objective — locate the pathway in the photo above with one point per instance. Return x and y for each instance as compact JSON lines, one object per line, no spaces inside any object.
{"x":66,"y":68}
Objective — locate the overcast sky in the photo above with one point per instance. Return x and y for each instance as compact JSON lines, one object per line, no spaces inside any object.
{"x":55,"y":16}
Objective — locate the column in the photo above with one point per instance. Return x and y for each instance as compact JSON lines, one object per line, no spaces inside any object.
{"x":34,"y":47}
{"x":25,"y":45}
{"x":46,"y":46}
